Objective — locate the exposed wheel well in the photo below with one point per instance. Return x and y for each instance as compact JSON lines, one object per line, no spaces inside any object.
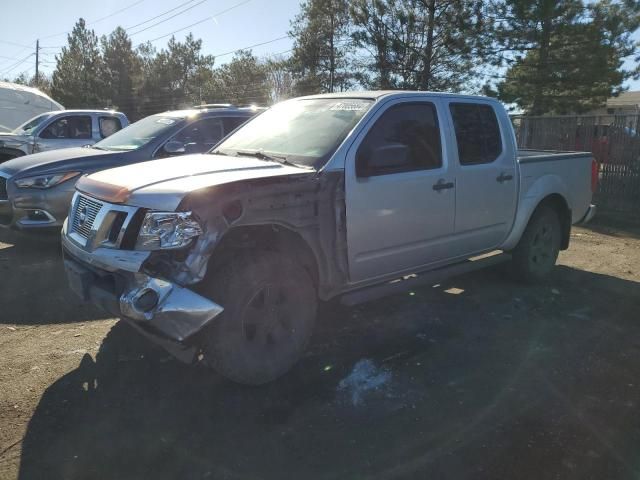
{"x":559,"y":204}
{"x":265,"y":237}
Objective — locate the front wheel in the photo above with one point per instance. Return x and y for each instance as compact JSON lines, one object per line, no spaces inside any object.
{"x":270,"y":307}
{"x":537,"y":251}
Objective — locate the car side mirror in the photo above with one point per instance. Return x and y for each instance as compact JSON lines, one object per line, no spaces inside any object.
{"x":381,"y":160}
{"x":173,"y":147}
{"x":192,"y":148}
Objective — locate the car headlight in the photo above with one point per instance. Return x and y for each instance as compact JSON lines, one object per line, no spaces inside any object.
{"x":167,"y":230}
{"x":45,"y":181}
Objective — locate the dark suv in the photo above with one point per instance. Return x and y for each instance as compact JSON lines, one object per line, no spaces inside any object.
{"x":35,"y":190}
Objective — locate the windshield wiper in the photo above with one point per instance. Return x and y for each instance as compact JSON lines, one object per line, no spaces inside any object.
{"x":274,"y":158}
{"x":219,"y":152}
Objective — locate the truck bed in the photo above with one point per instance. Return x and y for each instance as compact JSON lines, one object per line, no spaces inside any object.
{"x":568,"y":172}
{"x":533,"y":156}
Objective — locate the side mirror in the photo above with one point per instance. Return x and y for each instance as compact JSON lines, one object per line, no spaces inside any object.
{"x":385,"y":159}
{"x":173,"y":147}
{"x":193,"y":148}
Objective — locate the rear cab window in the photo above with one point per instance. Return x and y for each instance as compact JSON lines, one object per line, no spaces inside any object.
{"x":477,"y":132}
{"x":108,"y":126}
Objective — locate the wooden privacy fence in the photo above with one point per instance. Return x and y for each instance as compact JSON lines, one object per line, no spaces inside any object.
{"x":614,"y":141}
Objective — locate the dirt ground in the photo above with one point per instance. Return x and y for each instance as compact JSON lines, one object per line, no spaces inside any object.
{"x":472,"y":379}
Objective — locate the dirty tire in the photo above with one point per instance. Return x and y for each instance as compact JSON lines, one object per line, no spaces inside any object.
{"x":269,"y":311}
{"x":535,"y":255}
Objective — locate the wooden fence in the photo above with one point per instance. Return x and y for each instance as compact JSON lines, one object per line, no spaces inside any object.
{"x":614,"y":141}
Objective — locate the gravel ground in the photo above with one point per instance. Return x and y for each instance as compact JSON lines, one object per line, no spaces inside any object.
{"x":476,"y":378}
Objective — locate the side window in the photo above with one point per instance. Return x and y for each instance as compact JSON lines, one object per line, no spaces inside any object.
{"x":231,"y":123}
{"x":477,"y":133}
{"x":203,"y":133}
{"x":109,"y":126}
{"x":78,"y":127}
{"x":405,"y":138}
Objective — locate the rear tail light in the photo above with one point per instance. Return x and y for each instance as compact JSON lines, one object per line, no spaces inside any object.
{"x":594,"y":176}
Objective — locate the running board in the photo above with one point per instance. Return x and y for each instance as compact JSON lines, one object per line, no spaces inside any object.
{"x":429,"y":277}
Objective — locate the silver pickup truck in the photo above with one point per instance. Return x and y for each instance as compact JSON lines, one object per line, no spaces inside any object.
{"x":223,"y":257}
{"x":60,"y":129}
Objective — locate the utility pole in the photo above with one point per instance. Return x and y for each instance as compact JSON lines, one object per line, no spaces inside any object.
{"x":37,"y":61}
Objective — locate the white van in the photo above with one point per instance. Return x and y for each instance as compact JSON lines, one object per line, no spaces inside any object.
{"x":19,"y":103}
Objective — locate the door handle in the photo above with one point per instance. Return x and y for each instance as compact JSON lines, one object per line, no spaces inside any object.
{"x":442,"y":185}
{"x":504,"y":178}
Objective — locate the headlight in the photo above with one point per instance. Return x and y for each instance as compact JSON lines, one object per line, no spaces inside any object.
{"x":45,"y":181}
{"x":165,"y":230}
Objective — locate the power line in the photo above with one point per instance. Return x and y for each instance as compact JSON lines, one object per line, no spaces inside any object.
{"x":160,"y":15}
{"x":168,"y":18}
{"x":251,"y":46}
{"x":116,"y":12}
{"x":17,"y":64}
{"x":198,"y":22}
{"x":96,"y":21}
{"x":15,"y":44}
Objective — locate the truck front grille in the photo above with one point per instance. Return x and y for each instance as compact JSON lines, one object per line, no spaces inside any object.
{"x":3,"y":188}
{"x":84,"y":215}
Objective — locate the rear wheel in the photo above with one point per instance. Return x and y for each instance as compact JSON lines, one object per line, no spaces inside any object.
{"x":269,"y":311}
{"x":535,"y":255}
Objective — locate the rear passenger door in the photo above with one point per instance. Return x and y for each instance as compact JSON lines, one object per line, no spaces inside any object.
{"x":486,"y":183}
{"x":401,"y":213}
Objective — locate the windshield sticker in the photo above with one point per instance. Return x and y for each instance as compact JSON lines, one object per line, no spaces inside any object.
{"x":350,"y":106}
{"x":166,"y":121}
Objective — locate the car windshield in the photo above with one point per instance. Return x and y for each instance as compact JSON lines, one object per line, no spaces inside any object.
{"x":305,"y":132}
{"x":139,"y":133}
{"x":30,"y":125}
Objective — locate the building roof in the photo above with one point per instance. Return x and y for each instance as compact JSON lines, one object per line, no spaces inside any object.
{"x":625,"y":99}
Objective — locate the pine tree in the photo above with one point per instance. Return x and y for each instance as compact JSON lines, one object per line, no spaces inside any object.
{"x":241,"y":81}
{"x":421,"y":44}
{"x":122,"y":72}
{"x":78,"y":80}
{"x":320,"y":50}
{"x":174,"y":77}
{"x":565,"y":56}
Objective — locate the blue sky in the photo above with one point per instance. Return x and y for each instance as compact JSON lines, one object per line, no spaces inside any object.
{"x":249,"y":23}
{"x":246,"y":23}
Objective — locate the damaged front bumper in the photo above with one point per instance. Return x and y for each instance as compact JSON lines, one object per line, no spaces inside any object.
{"x":166,"y":312}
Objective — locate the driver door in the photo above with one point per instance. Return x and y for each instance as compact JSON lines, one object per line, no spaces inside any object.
{"x":68,"y":131}
{"x":401,"y":214}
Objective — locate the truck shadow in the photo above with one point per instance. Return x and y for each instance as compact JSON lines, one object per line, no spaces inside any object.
{"x":33,"y":283}
{"x":475,"y":378}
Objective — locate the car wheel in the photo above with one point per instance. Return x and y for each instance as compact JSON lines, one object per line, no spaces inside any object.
{"x":535,"y":255}
{"x":270,"y":307}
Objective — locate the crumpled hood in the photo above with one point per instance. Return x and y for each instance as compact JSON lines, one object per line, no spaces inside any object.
{"x":51,"y":161}
{"x":162,"y":184}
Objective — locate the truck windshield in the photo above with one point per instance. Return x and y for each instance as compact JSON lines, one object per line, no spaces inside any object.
{"x":30,"y":125}
{"x":139,"y":133}
{"x":304,"y":132}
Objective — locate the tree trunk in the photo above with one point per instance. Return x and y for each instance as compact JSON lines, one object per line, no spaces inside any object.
{"x":428,"y":50}
{"x":537,"y":106}
{"x":332,"y":53}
